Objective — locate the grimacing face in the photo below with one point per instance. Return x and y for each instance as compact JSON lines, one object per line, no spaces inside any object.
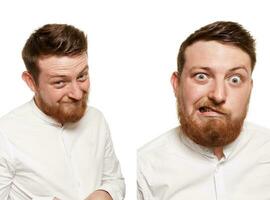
{"x":63,"y":86}
{"x":213,"y":92}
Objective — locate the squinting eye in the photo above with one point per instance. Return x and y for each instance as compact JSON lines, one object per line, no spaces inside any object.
{"x":59,"y":84}
{"x":235,"y":79}
{"x":82,"y":77}
{"x":200,"y":76}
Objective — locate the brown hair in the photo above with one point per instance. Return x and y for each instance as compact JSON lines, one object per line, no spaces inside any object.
{"x":225,"y":32}
{"x":52,"y":39}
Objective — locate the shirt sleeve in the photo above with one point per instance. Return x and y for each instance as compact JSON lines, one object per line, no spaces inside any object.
{"x":112,"y":179}
{"x":143,"y":192}
{"x":43,"y":198}
{"x":8,"y":190}
{"x":5,"y":178}
{"x":140,"y":180}
{"x":6,"y":169}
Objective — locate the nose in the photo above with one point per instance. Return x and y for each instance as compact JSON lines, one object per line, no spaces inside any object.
{"x":75,"y":91}
{"x":218,"y":92}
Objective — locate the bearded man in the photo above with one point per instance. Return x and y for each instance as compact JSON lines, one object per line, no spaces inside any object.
{"x":55,"y":147}
{"x":213,"y":154}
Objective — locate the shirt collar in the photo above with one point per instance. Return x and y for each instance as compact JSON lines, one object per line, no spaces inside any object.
{"x":228,"y":150}
{"x":40,"y":114}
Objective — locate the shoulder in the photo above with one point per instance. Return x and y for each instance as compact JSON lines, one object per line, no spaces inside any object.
{"x":21,"y":112}
{"x":93,"y":111}
{"x":94,"y":114}
{"x":159,"y":144}
{"x":258,"y":144}
{"x":94,"y":121}
{"x":256,"y":131}
{"x":254,"y":140}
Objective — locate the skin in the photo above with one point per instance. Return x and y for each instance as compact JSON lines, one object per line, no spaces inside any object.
{"x":217,"y":72}
{"x":62,"y":80}
{"x":99,"y":195}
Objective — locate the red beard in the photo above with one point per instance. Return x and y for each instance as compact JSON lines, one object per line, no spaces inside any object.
{"x":72,"y":111}
{"x":210,"y":132}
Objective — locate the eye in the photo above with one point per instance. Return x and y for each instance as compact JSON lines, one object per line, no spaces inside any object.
{"x":201,"y":76}
{"x":82,"y":77}
{"x":59,"y":84}
{"x":235,"y":79}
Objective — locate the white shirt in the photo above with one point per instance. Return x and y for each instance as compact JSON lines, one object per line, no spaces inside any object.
{"x":172,"y":167}
{"x":40,"y":159}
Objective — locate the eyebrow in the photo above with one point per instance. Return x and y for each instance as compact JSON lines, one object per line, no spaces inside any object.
{"x":64,"y":76}
{"x":200,"y":67}
{"x":209,"y":69}
{"x":84,"y":69}
{"x":239,"y":67}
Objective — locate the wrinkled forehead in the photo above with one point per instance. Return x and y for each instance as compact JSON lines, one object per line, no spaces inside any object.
{"x":212,"y":54}
{"x":62,"y":64}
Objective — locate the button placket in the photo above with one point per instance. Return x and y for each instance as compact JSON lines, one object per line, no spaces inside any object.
{"x":72,"y":164}
{"x":219,"y":181}
{"x":68,"y":154}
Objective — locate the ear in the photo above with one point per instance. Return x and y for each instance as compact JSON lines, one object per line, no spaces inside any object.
{"x":29,"y":80}
{"x":175,"y":81}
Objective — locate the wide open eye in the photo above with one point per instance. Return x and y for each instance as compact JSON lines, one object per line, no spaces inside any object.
{"x":235,"y":79}
{"x":201,"y":76}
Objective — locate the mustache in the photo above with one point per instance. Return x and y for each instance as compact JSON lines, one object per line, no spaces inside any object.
{"x":211,"y":105}
{"x":75,"y":101}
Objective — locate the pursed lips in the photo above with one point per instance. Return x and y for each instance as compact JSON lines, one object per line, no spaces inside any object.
{"x":210,"y":111}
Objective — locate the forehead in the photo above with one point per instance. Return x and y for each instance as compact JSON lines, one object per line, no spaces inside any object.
{"x":62,"y":64}
{"x":216,"y":56}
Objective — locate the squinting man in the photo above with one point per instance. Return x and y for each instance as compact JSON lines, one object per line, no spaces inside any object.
{"x":55,"y":146}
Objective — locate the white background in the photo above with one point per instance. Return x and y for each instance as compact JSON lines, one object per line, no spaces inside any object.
{"x":133,"y":46}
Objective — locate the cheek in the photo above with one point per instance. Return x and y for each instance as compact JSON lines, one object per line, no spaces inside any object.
{"x":51,"y":95}
{"x":85,"y":85}
{"x":238,"y":102}
{"x":191,"y":94}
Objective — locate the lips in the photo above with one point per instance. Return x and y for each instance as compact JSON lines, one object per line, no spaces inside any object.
{"x":209,"y":110}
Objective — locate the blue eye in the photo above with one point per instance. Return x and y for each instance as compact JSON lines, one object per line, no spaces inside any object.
{"x":235,"y":79}
{"x":200,"y":76}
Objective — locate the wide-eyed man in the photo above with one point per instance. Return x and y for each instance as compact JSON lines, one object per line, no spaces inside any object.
{"x":55,"y":146}
{"x":213,"y":154}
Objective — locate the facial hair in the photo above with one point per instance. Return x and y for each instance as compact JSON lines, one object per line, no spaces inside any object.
{"x":65,"y":112}
{"x":212,"y":131}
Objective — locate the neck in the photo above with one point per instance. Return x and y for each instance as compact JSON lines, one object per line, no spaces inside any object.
{"x":218,"y":152}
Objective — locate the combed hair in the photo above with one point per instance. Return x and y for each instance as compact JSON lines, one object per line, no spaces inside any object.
{"x":55,"y":40}
{"x":225,"y":32}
